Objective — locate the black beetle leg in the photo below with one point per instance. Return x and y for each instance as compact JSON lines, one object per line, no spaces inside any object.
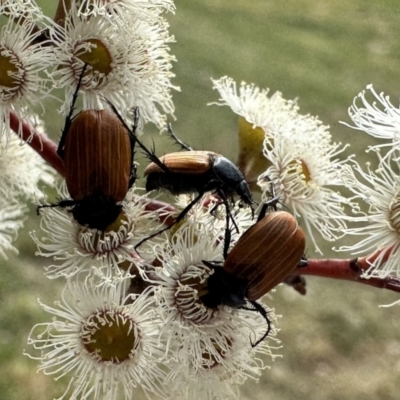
{"x":303,"y":262}
{"x":132,"y":139}
{"x":229,"y":215}
{"x":61,"y":203}
{"x":227,"y":240}
{"x":270,"y":203}
{"x":177,"y":220}
{"x":69,"y":118}
{"x":259,"y":308}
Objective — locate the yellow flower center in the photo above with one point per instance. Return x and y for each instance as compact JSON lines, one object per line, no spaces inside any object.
{"x":213,"y":358}
{"x":8,"y":68}
{"x":300,"y":167}
{"x":98,"y":57}
{"x":110,"y":336}
{"x":116,"y":225}
{"x":252,"y":161}
{"x":103,"y":236}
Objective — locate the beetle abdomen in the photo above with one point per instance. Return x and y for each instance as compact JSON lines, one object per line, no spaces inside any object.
{"x":267,"y":253}
{"x":97,"y":156}
{"x":178,"y":183}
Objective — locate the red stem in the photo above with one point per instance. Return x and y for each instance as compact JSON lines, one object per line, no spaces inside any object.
{"x":349,"y":270}
{"x":42,"y":144}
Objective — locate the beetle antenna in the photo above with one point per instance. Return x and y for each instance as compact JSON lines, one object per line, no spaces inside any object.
{"x":260,"y":309}
{"x":183,"y":145}
{"x":69,"y":118}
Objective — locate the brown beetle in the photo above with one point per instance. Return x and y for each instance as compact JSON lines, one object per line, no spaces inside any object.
{"x":261,"y":259}
{"x":198,"y":172}
{"x":98,"y":156}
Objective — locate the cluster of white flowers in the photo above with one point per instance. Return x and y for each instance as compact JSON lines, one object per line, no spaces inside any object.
{"x":301,"y":158}
{"x":127,"y":319}
{"x":133,"y":318}
{"x":377,"y":188}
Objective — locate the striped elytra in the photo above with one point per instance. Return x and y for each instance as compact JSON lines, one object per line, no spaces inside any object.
{"x":184,"y":162}
{"x":97,"y":156}
{"x":267,"y":253}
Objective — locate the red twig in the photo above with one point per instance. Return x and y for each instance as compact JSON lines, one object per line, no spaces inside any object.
{"x":349,"y":270}
{"x":42,"y":144}
{"x":166,"y":211}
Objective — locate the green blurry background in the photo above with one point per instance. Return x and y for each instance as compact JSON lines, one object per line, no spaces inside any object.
{"x":337,"y":343}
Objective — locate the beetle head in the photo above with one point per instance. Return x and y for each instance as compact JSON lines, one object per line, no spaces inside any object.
{"x":96,"y":211}
{"x":224,"y":288}
{"x":243,"y":190}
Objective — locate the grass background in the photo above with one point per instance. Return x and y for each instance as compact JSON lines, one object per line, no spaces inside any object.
{"x":337,"y":343}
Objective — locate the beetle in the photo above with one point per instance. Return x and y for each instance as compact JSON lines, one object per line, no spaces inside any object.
{"x":190,"y":171}
{"x":261,"y":259}
{"x":98,"y":152}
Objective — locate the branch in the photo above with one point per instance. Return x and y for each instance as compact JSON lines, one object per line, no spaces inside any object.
{"x":350,"y":270}
{"x":40,"y":142}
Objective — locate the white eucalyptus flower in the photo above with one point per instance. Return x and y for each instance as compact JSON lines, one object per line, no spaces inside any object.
{"x":147,"y":10}
{"x":378,"y":118}
{"x":195,"y":333}
{"x":217,"y":375}
{"x":21,"y":168}
{"x":380,"y":227}
{"x":303,"y":169}
{"x":253,"y":104}
{"x":210,"y":214}
{"x":293,"y":151}
{"x":75,"y":248}
{"x":129,"y":63}
{"x":22,"y":82}
{"x":11,"y":220}
{"x":106,"y":341}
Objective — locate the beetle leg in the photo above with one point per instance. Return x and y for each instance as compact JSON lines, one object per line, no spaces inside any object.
{"x":150,"y":154}
{"x":177,"y":220}
{"x":183,"y":145}
{"x":229,"y":215}
{"x":270,"y":203}
{"x":259,"y":308}
{"x":61,"y":203}
{"x":69,"y":118}
{"x":132,"y":139}
{"x":227,"y":240}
